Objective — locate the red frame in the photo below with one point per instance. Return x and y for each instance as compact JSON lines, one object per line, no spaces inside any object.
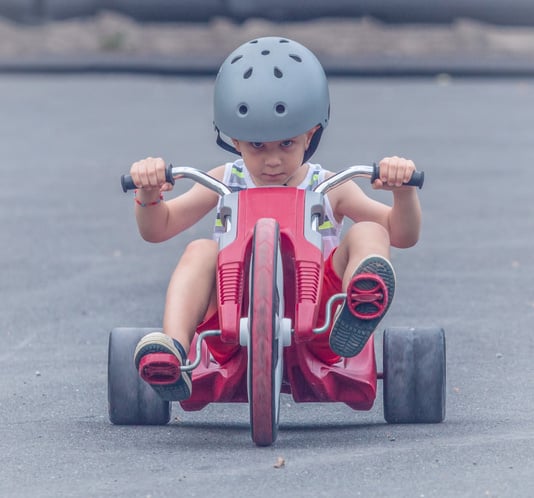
{"x":352,"y":381}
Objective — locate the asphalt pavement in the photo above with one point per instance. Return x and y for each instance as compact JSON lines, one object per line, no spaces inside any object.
{"x":74,"y":266}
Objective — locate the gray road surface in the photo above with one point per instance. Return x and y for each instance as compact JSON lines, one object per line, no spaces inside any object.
{"x":73,"y":267}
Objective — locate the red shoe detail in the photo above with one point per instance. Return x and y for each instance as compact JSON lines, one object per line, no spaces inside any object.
{"x":369,"y":289}
{"x":160,"y":368}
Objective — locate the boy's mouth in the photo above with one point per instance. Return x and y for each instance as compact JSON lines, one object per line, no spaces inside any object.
{"x":274,"y":178}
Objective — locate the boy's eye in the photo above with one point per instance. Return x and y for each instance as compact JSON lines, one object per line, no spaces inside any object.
{"x":286,"y":143}
{"x":257,"y":145}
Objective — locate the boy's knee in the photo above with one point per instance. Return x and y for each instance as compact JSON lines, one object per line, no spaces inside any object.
{"x":368,"y":229}
{"x":205,"y":248}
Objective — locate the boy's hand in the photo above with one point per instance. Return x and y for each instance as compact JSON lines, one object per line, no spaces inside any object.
{"x":149,"y":174}
{"x":393,"y":172}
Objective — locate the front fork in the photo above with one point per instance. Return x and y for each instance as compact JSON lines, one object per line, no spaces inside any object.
{"x":284,"y":332}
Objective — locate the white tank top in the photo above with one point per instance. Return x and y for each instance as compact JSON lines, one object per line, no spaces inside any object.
{"x":237,"y":177}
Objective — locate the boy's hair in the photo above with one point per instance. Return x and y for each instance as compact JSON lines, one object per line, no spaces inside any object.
{"x":270,"y":89}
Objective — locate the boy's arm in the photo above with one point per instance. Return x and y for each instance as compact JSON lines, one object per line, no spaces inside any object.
{"x":159,"y":221}
{"x":402,"y":220}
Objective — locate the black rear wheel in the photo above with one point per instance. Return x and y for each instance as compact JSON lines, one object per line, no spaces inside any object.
{"x":131,"y":401}
{"x":414,"y":375}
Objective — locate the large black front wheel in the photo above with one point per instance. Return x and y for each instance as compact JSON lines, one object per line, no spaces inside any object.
{"x":131,"y":401}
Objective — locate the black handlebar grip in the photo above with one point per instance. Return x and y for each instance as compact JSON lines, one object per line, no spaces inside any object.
{"x":417,"y":179}
{"x":128,"y":184}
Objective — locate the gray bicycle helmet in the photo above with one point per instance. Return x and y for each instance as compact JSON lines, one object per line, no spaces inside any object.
{"x":270,"y":89}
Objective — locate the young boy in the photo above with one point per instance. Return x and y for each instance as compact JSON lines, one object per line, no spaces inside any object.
{"x":271,"y":99}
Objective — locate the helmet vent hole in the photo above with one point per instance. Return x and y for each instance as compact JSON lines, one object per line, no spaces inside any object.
{"x":295,"y":57}
{"x":265,"y":52}
{"x":235,"y":59}
{"x":248,"y":73}
{"x":280,"y":109}
{"x":254,"y":41}
{"x":278,"y":73}
{"x":243,"y":109}
{"x":283,"y":41}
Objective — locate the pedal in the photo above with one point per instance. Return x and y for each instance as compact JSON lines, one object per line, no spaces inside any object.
{"x":160,"y":368}
{"x":367,"y":297}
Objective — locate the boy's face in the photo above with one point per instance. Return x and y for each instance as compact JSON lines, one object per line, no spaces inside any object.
{"x":274,"y":163}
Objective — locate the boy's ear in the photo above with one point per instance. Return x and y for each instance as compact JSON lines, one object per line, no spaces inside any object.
{"x":236,"y":145}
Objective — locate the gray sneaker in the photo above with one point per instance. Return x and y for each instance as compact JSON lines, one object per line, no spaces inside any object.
{"x":158,"y":359}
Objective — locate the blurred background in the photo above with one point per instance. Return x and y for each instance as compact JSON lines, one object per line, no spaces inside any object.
{"x":369,"y":37}
{"x":89,"y":86}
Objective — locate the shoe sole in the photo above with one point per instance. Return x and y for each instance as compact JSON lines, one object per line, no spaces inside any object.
{"x":350,"y":333}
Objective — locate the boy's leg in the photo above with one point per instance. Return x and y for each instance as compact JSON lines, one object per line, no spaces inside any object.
{"x":190,"y":297}
{"x":362,"y":262}
{"x":361,"y":240}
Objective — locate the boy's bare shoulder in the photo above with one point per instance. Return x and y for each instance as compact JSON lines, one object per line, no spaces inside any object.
{"x":217,"y":172}
{"x":328,"y":173}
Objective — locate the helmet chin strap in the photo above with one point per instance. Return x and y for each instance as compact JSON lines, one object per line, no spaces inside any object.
{"x":225,"y":145}
{"x":314,"y":142}
{"x":288,"y":179}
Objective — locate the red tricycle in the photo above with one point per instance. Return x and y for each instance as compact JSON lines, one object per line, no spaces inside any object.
{"x":269,"y":278}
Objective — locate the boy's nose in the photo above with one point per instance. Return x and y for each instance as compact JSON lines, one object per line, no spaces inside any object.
{"x":272,"y":160}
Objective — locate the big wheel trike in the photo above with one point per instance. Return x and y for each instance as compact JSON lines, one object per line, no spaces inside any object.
{"x":269,"y":276}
